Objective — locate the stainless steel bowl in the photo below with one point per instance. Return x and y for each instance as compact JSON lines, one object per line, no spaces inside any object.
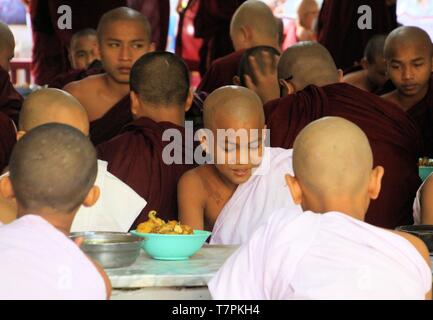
{"x":422,"y":231}
{"x":110,"y":249}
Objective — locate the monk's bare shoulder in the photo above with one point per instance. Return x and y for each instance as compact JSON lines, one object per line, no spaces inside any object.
{"x":191,"y":182}
{"x":80,"y":89}
{"x":391,"y":97}
{"x":356,"y":79}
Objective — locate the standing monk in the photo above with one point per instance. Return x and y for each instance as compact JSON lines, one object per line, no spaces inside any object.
{"x":124,"y":35}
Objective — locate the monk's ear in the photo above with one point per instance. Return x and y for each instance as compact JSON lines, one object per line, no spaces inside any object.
{"x":364,"y":63}
{"x":236,"y":80}
{"x":295,"y":188}
{"x":135,"y":103}
{"x":20,"y":134}
{"x":189,"y":100}
{"x":288,"y":87}
{"x":6,"y":189}
{"x":340,"y":76}
{"x":92,"y":196}
{"x":375,"y":183}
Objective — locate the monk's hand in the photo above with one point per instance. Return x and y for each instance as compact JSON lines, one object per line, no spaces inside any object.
{"x":266,"y":84}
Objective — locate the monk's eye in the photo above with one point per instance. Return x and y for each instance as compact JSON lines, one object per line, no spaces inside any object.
{"x":137,"y":46}
{"x":113,"y":45}
{"x":417,"y":65}
{"x":395,"y":66}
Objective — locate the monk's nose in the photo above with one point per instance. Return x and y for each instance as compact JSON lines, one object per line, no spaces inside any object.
{"x":125,"y":53}
{"x":407,"y":73}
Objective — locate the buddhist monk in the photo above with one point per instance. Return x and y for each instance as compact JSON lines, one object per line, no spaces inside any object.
{"x":373,"y":76}
{"x":243,"y":184}
{"x":344,"y":27}
{"x":265,"y":58}
{"x":328,"y":251}
{"x":10,"y":99}
{"x":307,"y":72}
{"x":52,"y":172}
{"x":252,"y":24}
{"x":139,"y":156}
{"x":118,"y":205}
{"x":124,"y":36}
{"x":408,"y":52}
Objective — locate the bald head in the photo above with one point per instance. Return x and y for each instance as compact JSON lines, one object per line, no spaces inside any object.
{"x":332,"y":158}
{"x":123,"y":14}
{"x":374,"y":48}
{"x":53,"y":166}
{"x":307,"y":63}
{"x":232,"y":107}
{"x":406,"y":36}
{"x":254,"y":24}
{"x":52,"y":105}
{"x":7,"y":46}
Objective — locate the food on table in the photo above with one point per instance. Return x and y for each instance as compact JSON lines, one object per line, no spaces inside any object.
{"x":157,"y":225}
{"x":425,"y":162}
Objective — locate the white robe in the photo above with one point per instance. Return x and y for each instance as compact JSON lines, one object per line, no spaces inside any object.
{"x":322,"y":256}
{"x":254,"y":200}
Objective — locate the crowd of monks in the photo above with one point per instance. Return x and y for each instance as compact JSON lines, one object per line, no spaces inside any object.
{"x":347,"y":114}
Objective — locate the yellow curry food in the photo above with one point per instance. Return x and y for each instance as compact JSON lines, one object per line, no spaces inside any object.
{"x":157,"y":225}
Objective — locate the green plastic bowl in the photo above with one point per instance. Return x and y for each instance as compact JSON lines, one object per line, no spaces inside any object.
{"x":424,"y":172}
{"x":172,"y":246}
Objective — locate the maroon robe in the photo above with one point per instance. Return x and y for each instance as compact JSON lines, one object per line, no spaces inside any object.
{"x":393,"y":136}
{"x":8,"y":139}
{"x":158,"y":13}
{"x":76,"y":75}
{"x":221,"y":72}
{"x":50,"y":55}
{"x":422,"y":114}
{"x":112,"y":122}
{"x":10,"y":100}
{"x":212,"y":24}
{"x":135,"y":157}
{"x":338,"y":28}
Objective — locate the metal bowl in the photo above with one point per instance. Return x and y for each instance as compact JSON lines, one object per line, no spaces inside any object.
{"x":422,"y":231}
{"x":110,"y":249}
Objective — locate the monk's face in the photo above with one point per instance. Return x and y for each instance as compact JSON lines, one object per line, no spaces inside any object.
{"x":376,"y":72}
{"x":409,"y":66}
{"x":236,"y":155}
{"x":84,"y":50}
{"x":6,"y":55}
{"x":121,"y":44}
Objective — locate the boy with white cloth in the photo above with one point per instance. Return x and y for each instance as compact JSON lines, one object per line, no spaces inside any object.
{"x":233,"y":199}
{"x":328,"y":252}
{"x":118,"y":205}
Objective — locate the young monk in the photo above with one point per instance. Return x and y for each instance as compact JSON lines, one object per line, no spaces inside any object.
{"x":10,"y":99}
{"x":52,"y":172}
{"x":233,"y":198}
{"x":124,"y":35}
{"x":409,"y":54}
{"x":136,"y":156}
{"x":373,"y":75}
{"x":118,"y":205}
{"x":312,"y":84}
{"x":252,"y":24}
{"x":328,"y":251}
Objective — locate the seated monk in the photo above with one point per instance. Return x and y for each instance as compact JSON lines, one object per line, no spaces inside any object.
{"x":10,"y":99}
{"x":252,"y":24}
{"x":138,"y":156}
{"x":84,"y":56}
{"x":124,"y":36}
{"x":244,"y":183}
{"x":52,"y":173}
{"x":372,"y":77}
{"x":423,"y":204}
{"x":409,"y":53}
{"x":328,"y":251}
{"x":118,"y":205}
{"x":266,"y":59}
{"x":308,"y":74}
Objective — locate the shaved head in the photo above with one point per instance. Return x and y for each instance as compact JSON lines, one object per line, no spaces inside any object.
{"x":52,"y":105}
{"x":53,"y":166}
{"x":123,"y":14}
{"x":374,"y":48}
{"x":407,"y":36}
{"x":231,"y":107}
{"x":332,"y":158}
{"x":258,"y":18}
{"x":7,"y":46}
{"x":307,"y":63}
